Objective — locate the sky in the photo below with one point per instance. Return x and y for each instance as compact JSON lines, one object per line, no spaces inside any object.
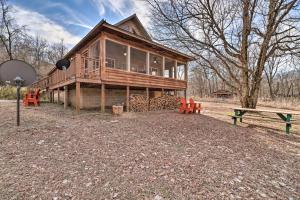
{"x":71,"y":20}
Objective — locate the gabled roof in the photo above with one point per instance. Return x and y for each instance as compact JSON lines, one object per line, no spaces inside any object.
{"x":134,"y":19}
{"x":103,"y":25}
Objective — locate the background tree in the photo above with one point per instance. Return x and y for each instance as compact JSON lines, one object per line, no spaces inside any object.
{"x":56,"y":51}
{"x":234,"y":38}
{"x":271,"y":70}
{"x":10,"y":32}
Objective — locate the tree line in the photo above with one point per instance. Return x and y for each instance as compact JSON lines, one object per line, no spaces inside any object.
{"x":17,"y":43}
{"x":236,"y":43}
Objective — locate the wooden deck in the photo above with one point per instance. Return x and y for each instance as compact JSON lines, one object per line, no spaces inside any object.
{"x":99,"y":75}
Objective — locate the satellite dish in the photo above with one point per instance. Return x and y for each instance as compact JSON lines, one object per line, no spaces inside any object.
{"x":12,"y":69}
{"x":17,"y":73}
{"x":63,"y":64}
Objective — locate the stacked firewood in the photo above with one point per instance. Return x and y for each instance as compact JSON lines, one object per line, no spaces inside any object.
{"x":165,"y":102}
{"x":139,"y":103}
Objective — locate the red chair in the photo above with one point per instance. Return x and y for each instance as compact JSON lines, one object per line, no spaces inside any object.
{"x":32,"y":97}
{"x":197,"y":108}
{"x":191,"y":108}
{"x":183,"y":107}
{"x":194,"y":107}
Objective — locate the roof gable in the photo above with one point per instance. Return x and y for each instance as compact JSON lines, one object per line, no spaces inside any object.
{"x":133,"y":24}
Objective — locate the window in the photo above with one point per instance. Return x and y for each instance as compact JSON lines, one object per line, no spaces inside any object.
{"x":181,"y":71}
{"x":156,"y":65}
{"x":126,"y":28}
{"x":169,"y":68}
{"x":94,"y":55}
{"x":85,"y":61}
{"x":116,"y":55}
{"x":138,"y":61}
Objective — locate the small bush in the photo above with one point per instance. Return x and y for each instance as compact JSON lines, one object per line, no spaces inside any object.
{"x":10,"y":93}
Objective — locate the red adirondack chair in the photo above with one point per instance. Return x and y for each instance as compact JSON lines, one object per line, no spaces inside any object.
{"x":183,"y":107}
{"x":194,"y":107}
{"x":32,"y":97}
{"x":197,"y":108}
{"x":191,"y":108}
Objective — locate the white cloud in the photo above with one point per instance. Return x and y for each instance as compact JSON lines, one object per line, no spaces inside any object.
{"x":37,"y":23}
{"x":73,"y":18}
{"x":124,"y":8}
{"x":117,"y":6}
{"x":141,"y":9}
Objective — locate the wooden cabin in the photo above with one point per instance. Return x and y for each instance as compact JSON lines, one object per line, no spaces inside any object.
{"x":113,"y":61}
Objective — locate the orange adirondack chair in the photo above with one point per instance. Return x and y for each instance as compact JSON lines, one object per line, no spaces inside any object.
{"x":198,"y":108}
{"x":32,"y":98}
{"x":194,"y":107}
{"x":191,"y":108}
{"x":183,"y":107}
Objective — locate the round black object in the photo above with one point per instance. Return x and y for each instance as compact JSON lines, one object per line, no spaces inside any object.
{"x":63,"y":64}
{"x":11,"y":69}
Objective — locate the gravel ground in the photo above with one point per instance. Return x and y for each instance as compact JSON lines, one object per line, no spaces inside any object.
{"x":56,"y":154}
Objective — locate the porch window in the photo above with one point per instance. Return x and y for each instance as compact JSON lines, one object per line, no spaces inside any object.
{"x":156,"y":65}
{"x":94,"y":55}
{"x":138,"y":61}
{"x":181,"y":71}
{"x":116,"y":55}
{"x":169,"y":68}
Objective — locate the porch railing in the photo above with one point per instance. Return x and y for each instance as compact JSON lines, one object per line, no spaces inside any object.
{"x":90,"y":68}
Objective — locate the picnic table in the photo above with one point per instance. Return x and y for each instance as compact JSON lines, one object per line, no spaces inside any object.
{"x":285,"y":115}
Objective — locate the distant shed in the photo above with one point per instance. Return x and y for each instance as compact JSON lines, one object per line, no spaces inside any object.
{"x":223,"y":94}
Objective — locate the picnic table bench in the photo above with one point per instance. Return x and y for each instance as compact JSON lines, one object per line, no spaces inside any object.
{"x":285,"y":115}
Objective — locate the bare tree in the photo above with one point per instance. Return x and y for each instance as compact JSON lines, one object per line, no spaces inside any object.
{"x":39,"y":48}
{"x":10,"y":33}
{"x":271,"y":70}
{"x":234,"y":38}
{"x":56,"y":51}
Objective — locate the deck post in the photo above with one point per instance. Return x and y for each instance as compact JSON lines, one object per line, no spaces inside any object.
{"x":185,"y":94}
{"x":163,"y":66}
{"x":186,"y":72}
{"x":102,"y":97}
{"x":77,"y":97}
{"x":128,"y":58}
{"x":175,"y":93}
{"x":78,"y":65}
{"x":127,"y":97}
{"x":52,"y":96}
{"x":58,"y":95}
{"x":102,"y":55}
{"x":148,"y":63}
{"x":162,"y":91}
{"x":148,"y":102}
{"x":66,"y":93}
{"x":175,"y":70}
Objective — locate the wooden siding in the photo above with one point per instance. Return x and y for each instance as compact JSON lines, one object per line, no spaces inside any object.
{"x":120,"y":77}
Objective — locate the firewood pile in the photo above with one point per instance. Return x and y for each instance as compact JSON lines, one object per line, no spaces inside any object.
{"x":165,"y":102}
{"x":138,"y":103}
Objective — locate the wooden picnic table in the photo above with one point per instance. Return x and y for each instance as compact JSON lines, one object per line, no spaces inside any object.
{"x":285,"y":115}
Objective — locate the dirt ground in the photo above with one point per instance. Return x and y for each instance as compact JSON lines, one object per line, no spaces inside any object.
{"x":56,"y":154}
